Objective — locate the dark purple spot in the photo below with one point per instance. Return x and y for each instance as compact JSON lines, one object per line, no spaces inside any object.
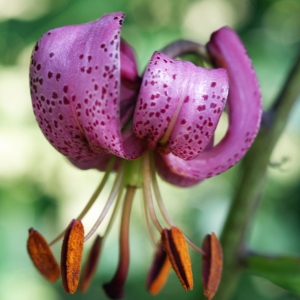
{"x":50,"y":74}
{"x":201,"y":107}
{"x":58,"y":76}
{"x":65,"y":88}
{"x":213,"y":84}
{"x":66,"y":100}
{"x":51,"y":54}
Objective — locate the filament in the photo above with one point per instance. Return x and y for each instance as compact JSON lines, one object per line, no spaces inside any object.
{"x":114,"y":213}
{"x":148,"y":225}
{"x":110,"y":200}
{"x":164,"y":212}
{"x":93,"y":198}
{"x":147,"y":190}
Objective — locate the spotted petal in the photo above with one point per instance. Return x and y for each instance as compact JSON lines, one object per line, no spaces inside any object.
{"x":179,"y":106}
{"x":244,"y":105}
{"x":76,"y":74}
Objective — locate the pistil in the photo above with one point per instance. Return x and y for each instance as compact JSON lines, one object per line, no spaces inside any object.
{"x":114,"y":289}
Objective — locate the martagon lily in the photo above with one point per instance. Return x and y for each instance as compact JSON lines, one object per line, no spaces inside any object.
{"x":95,"y":109}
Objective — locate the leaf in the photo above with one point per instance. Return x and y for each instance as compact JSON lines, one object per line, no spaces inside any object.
{"x":281,"y":270}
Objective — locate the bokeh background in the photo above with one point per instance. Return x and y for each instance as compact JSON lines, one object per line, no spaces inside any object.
{"x":40,"y":189}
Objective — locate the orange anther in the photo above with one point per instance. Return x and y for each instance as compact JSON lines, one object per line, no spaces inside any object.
{"x":42,"y":256}
{"x":159,"y":271}
{"x":176,"y":248}
{"x":212,"y":265}
{"x":71,"y":256}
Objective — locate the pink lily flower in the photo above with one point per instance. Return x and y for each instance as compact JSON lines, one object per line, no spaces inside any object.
{"x":93,"y":108}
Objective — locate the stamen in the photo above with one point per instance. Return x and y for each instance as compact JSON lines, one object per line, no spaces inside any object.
{"x":163,"y":210}
{"x":42,"y":256}
{"x":114,"y":289}
{"x":114,"y":213}
{"x":91,"y":264}
{"x":148,"y":226}
{"x":147,"y":190}
{"x":93,"y":198}
{"x":93,"y":257}
{"x":212,"y":265}
{"x":71,"y":255}
{"x":110,"y":200}
{"x":176,"y":248}
{"x":159,"y":272}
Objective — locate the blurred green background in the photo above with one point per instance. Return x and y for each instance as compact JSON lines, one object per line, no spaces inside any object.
{"x":39,"y":188}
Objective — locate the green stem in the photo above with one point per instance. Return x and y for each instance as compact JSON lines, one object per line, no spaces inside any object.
{"x":248,"y":193}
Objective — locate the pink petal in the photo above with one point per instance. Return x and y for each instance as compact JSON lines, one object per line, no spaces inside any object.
{"x":75,"y":87}
{"x":179,"y":106}
{"x":244,"y":105}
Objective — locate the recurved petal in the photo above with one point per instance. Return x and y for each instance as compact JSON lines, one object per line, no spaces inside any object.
{"x":75,"y":87}
{"x":244,"y":108}
{"x":179,"y":105}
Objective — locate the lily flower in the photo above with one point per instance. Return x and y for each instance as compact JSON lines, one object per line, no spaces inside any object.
{"x":93,"y":108}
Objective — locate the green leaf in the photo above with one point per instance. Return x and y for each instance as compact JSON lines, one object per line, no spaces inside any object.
{"x":281,"y":270}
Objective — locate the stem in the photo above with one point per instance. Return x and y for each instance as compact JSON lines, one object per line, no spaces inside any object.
{"x":248,"y":193}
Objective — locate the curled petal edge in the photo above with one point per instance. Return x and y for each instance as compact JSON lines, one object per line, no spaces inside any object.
{"x":244,"y":107}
